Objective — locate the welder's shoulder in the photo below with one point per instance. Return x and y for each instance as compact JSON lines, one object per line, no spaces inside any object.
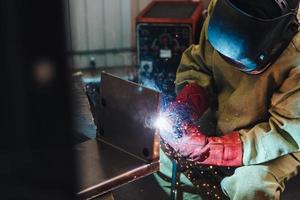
{"x":292,"y":53}
{"x":291,"y":56}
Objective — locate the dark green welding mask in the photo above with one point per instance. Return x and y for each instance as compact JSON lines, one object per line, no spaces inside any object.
{"x":252,"y":37}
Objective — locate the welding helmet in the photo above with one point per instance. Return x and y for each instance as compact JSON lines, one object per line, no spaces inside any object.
{"x":252,"y":39}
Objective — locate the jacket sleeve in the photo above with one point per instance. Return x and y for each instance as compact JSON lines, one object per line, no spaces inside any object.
{"x":281,"y":134}
{"x":195,"y":65}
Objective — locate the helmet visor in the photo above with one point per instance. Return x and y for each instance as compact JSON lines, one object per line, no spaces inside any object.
{"x":250,"y":42}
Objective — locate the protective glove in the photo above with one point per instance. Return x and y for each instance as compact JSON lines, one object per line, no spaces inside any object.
{"x":218,"y":151}
{"x":190,"y":105}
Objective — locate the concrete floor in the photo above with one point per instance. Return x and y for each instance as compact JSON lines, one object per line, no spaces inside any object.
{"x":143,"y":189}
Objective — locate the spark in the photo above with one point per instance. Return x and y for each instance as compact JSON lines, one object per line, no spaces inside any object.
{"x":163,"y":124}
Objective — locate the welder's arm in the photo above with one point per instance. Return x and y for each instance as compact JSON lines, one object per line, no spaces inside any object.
{"x":281,"y":134}
{"x":193,"y":82}
{"x":195,"y":64}
{"x":278,"y":136}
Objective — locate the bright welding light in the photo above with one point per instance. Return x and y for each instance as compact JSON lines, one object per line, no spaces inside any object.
{"x":163,"y":124}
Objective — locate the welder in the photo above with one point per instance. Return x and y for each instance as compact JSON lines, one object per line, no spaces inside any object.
{"x":246,"y":68}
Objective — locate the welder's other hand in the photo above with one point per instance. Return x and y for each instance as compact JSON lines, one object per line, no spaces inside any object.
{"x":219,"y":151}
{"x":226,"y":150}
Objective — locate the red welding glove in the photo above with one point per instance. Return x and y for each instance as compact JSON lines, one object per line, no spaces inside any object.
{"x":189,"y":106}
{"x":218,"y":151}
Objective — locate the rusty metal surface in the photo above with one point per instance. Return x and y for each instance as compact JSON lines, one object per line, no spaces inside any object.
{"x":102,"y":168}
{"x":127,"y":113}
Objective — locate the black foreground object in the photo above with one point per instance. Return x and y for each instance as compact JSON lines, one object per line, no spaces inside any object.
{"x":36,"y":136}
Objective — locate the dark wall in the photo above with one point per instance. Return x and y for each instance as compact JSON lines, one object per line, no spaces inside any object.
{"x":36,"y":160}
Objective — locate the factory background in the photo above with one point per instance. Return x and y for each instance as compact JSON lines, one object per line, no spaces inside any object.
{"x":101,"y":33}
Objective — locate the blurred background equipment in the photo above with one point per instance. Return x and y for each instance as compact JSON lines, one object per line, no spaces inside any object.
{"x":164,"y":30}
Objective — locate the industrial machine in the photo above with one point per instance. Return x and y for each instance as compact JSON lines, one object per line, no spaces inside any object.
{"x":164,"y":30}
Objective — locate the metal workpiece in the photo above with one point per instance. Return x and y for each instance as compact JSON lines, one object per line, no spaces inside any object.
{"x":127,"y":115}
{"x":127,"y":144}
